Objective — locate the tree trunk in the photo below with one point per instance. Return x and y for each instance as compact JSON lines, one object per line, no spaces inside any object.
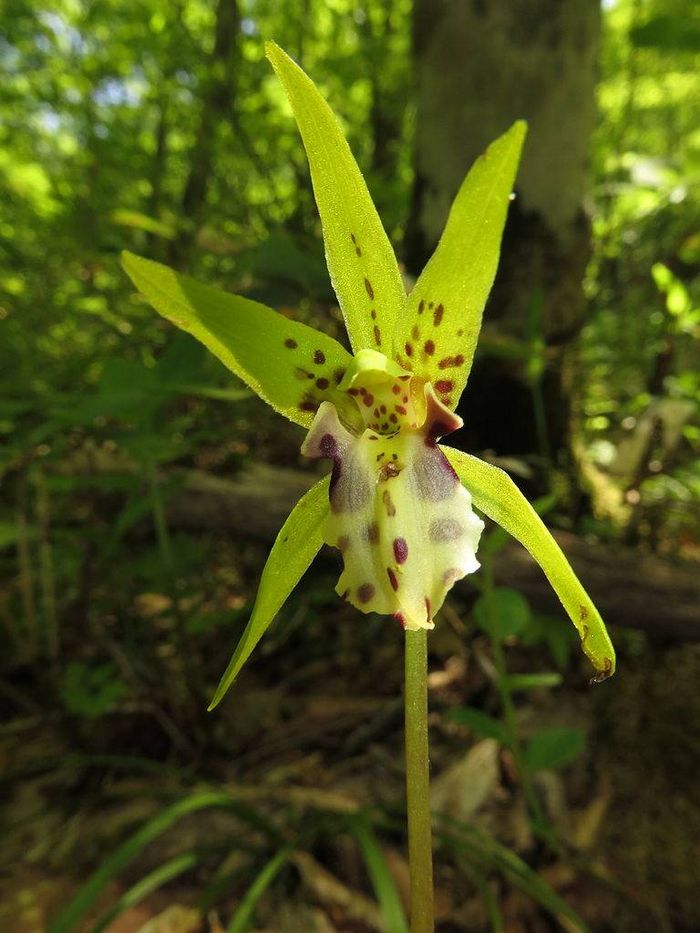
{"x":481,"y":64}
{"x":217,"y":101}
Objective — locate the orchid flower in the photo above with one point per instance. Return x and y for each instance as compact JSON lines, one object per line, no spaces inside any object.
{"x":398,"y":505}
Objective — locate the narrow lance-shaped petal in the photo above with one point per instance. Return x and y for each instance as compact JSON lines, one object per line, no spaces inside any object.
{"x":361,"y":262}
{"x":295,"y":547}
{"x":438,"y":336}
{"x":495,"y":493}
{"x":290,"y":365}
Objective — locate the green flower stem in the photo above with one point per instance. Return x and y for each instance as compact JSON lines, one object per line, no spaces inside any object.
{"x":420,"y":846}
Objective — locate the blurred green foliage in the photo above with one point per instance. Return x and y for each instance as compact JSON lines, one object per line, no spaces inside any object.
{"x":114,"y":134}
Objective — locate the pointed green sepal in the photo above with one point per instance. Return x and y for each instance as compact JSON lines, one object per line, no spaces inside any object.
{"x":361,"y":262}
{"x":443,"y":319}
{"x":291,"y":366}
{"x":296,"y":546}
{"x":495,"y":494}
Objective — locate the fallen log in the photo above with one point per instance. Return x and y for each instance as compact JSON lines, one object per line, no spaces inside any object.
{"x":631,"y":589}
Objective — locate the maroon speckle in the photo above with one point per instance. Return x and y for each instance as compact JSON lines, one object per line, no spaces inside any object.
{"x":400,"y":617}
{"x":428,"y":609}
{"x":382,"y":409}
{"x":450,"y":361}
{"x":377,"y":336}
{"x":444,"y":385}
{"x":396,"y":389}
{"x":376,"y":412}
{"x":338,"y":376}
{"x":421,"y":307}
{"x":368,"y":400}
{"x":400,"y":550}
{"x":373,"y":314}
{"x":322,"y":383}
{"x":319,"y":357}
{"x":365,"y":592}
{"x":370,"y":290}
{"x":392,"y":579}
{"x":437,"y":315}
{"x":404,"y":378}
{"x":291,"y":344}
{"x":393,"y":419}
{"x":328,"y":445}
{"x":308,"y":405}
{"x":409,"y":349}
{"x":401,"y":410}
{"x":353,"y":238}
{"x":358,"y":251}
{"x":415,"y":333}
{"x":429,"y":347}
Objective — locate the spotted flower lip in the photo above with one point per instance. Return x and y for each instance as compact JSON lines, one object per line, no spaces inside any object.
{"x":398,"y":505}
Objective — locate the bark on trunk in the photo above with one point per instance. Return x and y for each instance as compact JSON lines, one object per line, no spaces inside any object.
{"x":481,"y":64}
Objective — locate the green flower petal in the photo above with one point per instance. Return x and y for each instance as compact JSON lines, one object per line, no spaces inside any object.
{"x":296,"y":546}
{"x":360,"y":259}
{"x":445,"y":307}
{"x":495,"y":493}
{"x":291,"y":366}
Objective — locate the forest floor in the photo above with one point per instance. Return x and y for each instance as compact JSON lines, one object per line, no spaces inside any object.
{"x":309,"y":742}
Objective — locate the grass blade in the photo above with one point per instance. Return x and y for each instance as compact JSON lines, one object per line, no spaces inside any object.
{"x":68,"y":918}
{"x":240,"y":921}
{"x":380,"y":876}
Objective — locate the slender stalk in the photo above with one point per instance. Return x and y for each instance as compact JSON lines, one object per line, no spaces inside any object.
{"x":420,"y":846}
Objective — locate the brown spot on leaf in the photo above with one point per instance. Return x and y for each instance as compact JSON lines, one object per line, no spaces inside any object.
{"x":388,"y":503}
{"x":449,"y":361}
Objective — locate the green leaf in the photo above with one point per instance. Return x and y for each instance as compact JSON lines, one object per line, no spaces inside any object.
{"x":361,"y":262}
{"x":529,"y":681}
{"x":69,"y":917}
{"x":380,"y":876}
{"x":291,"y":366}
{"x":241,"y":920}
{"x":495,"y":493}
{"x":447,"y":302}
{"x":484,"y":725}
{"x":502,"y":613}
{"x":296,"y":546}
{"x":554,"y":748}
{"x":146,"y":886}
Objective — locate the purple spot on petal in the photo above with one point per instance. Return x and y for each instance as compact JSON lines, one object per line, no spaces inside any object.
{"x":365,"y":592}
{"x":400,"y":550}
